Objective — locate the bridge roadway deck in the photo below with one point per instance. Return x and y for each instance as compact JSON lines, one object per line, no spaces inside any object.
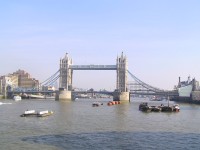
{"x":164,"y":93}
{"x":157,"y":93}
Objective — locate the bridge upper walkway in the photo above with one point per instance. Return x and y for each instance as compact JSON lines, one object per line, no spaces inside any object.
{"x":93,"y":67}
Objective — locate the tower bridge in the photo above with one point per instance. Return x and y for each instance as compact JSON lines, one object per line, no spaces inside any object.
{"x":66,"y":77}
{"x":122,"y":91}
{"x":123,"y":88}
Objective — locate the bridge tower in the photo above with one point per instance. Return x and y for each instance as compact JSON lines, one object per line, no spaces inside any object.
{"x":65,"y":73}
{"x":122,"y":79}
{"x":122,"y":67}
{"x":65,"y":83}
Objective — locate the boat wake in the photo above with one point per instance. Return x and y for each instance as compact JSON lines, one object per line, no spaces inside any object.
{"x":4,"y":103}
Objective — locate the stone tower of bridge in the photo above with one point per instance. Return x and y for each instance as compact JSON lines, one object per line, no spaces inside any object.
{"x":121,"y":94}
{"x":65,"y":73}
{"x":65,"y":82}
{"x":122,"y":79}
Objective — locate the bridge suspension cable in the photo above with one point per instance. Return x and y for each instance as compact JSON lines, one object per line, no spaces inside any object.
{"x":55,"y":76}
{"x":52,"y":81}
{"x":145,"y":85}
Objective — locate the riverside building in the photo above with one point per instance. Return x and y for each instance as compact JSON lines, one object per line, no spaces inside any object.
{"x":18,"y":79}
{"x":25,"y":80}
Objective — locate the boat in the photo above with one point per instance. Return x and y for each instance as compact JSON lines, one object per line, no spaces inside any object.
{"x":17,"y":98}
{"x":155,"y":98}
{"x":96,"y":104}
{"x":29,"y":113}
{"x":185,"y":89}
{"x":44,"y":113}
{"x":33,"y":113}
{"x":145,"y":108}
{"x":110,"y":103}
{"x":176,"y":107}
{"x":32,"y":96}
{"x":155,"y":108}
{"x":188,"y":91}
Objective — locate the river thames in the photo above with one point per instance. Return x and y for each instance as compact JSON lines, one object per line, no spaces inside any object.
{"x":78,"y":125}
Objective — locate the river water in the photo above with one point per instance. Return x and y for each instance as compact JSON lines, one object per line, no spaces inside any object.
{"x":78,"y":125}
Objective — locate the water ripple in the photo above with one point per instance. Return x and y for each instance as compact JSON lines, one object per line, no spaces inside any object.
{"x":120,"y":140}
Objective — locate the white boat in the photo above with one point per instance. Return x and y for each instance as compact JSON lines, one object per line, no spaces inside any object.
{"x":44,"y":113}
{"x":176,"y":108}
{"x":29,"y":113}
{"x":17,"y":98}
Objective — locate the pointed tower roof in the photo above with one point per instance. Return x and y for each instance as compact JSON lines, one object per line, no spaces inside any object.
{"x":66,"y":56}
{"x":122,"y":54}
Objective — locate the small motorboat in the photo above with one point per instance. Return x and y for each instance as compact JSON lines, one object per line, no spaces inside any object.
{"x":144,"y":107}
{"x":96,"y":104}
{"x":44,"y":113}
{"x":176,"y":108}
{"x":17,"y":98}
{"x":29,"y":113}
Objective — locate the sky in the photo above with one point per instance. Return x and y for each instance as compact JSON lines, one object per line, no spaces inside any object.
{"x":161,"y":39}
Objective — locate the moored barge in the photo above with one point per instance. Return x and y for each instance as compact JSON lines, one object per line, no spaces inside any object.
{"x":145,"y":108}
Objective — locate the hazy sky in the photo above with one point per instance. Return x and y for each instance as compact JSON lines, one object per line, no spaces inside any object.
{"x":161,"y":38}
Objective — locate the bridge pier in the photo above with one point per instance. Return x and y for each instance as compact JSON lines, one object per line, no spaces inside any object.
{"x":121,"y":96}
{"x":63,"y":95}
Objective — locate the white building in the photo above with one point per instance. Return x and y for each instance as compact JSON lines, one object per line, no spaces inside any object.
{"x":7,"y":83}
